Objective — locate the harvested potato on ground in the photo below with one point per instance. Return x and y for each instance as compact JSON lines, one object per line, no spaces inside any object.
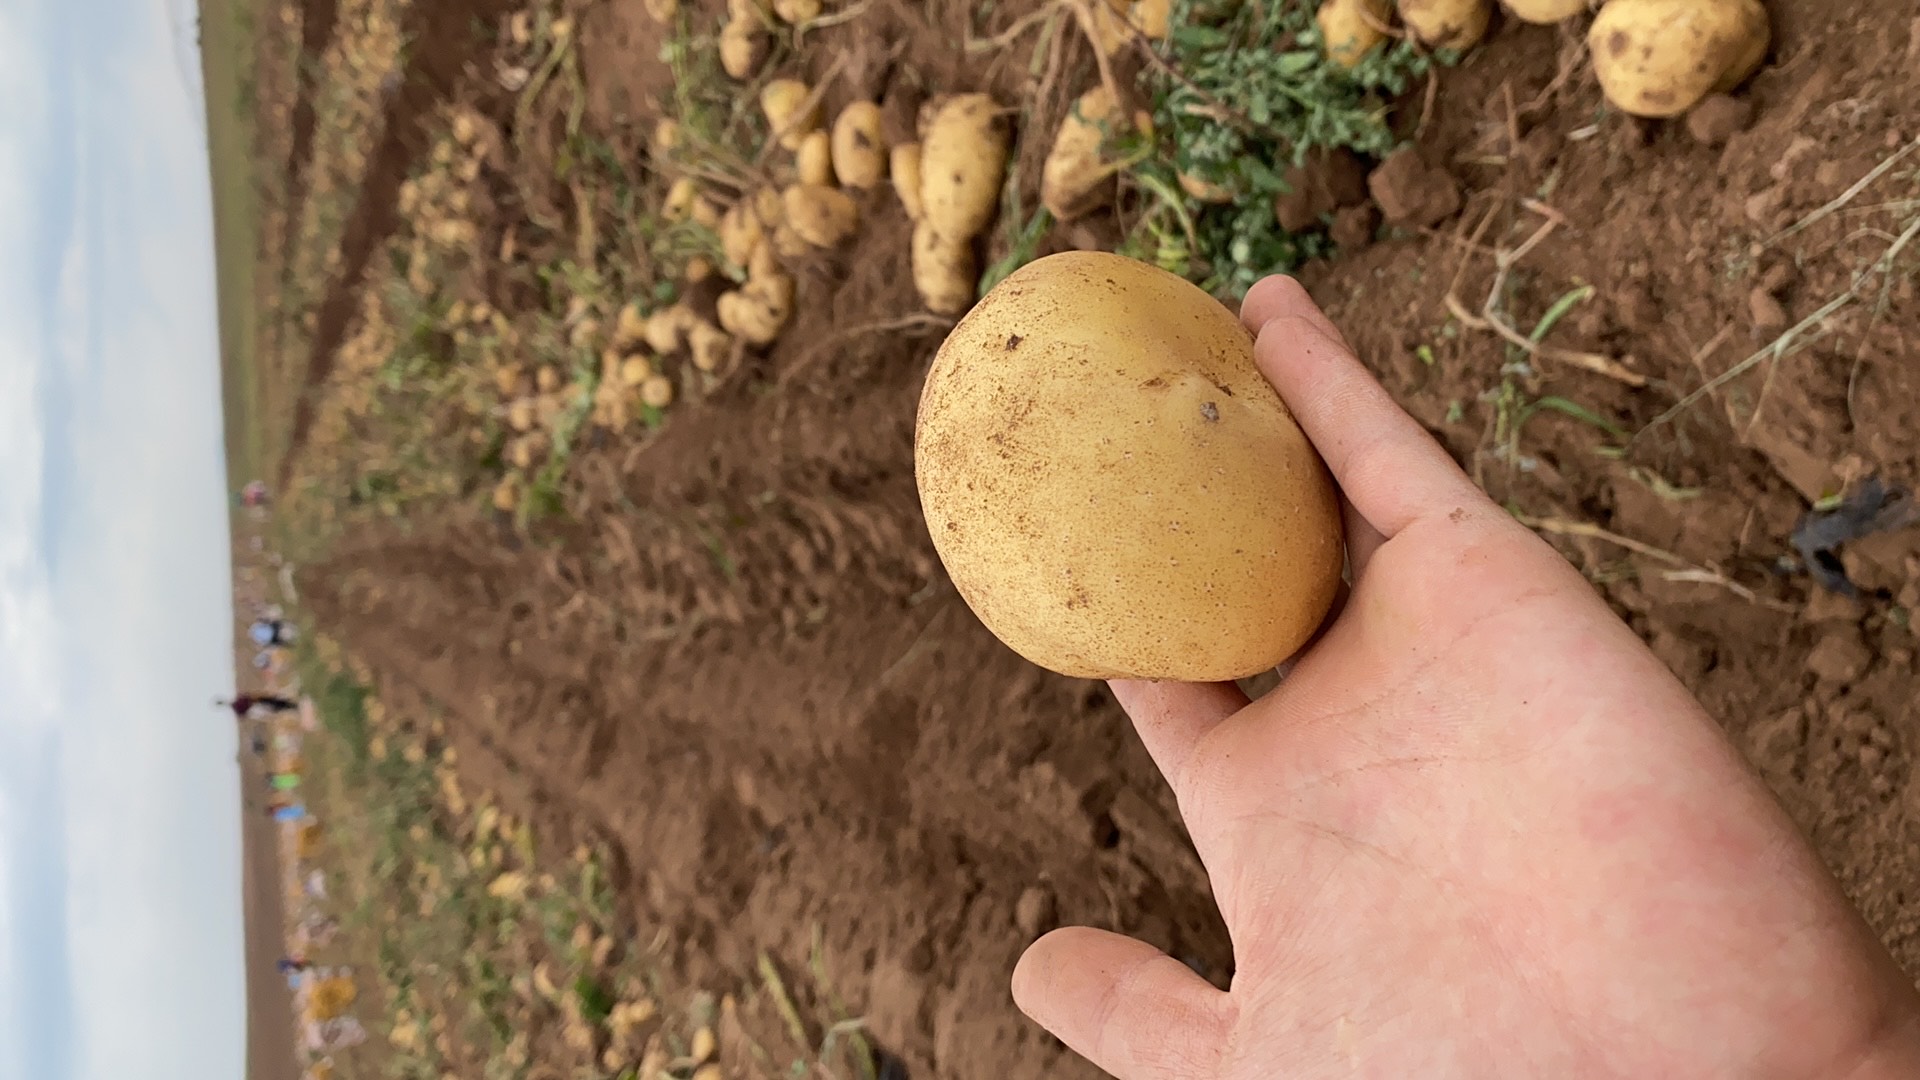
{"x":814,"y":160}
{"x":547,"y":379}
{"x":635,"y":370}
{"x":859,"y":145}
{"x":1447,"y":24}
{"x":681,"y":196}
{"x":1350,"y":29}
{"x":506,"y":494}
{"x":786,"y":243}
{"x":1106,"y":25}
{"x":740,"y":233}
{"x":666,"y":137}
{"x":522,"y":416}
{"x":1657,"y":58}
{"x":1205,"y":191}
{"x":743,"y":48}
{"x":1114,"y":488}
{"x":704,"y":212}
{"x":508,"y":380}
{"x":763,"y":264}
{"x":657,"y":392}
{"x":629,"y":326}
{"x":709,"y":345}
{"x":1151,"y":18}
{"x":757,"y":311}
{"x":699,"y":269}
{"x":796,"y":11}
{"x":754,"y":10}
{"x":667,"y":328}
{"x":944,"y":270}
{"x":663,"y":10}
{"x":1073,"y":182}
{"x":527,"y":449}
{"x":1546,"y":11}
{"x":904,"y":163}
{"x":789,"y":116}
{"x":963,"y":159}
{"x":820,"y":215}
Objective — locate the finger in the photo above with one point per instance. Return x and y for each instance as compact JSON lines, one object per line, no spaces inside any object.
{"x":1280,"y":296}
{"x":1362,"y":540}
{"x":1385,"y":462}
{"x":1123,"y":1005}
{"x":1172,"y":718}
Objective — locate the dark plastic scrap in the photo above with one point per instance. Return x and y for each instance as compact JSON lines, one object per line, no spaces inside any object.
{"x":1872,"y":507}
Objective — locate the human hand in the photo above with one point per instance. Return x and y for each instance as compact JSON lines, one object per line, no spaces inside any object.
{"x":1478,"y":831}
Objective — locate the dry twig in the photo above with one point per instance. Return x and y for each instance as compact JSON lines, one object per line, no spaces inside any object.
{"x":1682,"y":570}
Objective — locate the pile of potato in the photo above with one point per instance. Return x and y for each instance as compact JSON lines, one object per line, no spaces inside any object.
{"x":1654,"y":58}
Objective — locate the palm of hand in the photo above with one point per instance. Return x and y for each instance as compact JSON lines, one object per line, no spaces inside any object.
{"x":1478,"y":831}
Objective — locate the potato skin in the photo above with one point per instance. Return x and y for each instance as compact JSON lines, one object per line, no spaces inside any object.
{"x":904,"y":163}
{"x":1447,"y":24}
{"x":1658,"y":58}
{"x":1350,"y":29}
{"x":821,"y":216}
{"x":784,"y":103}
{"x":944,"y":271}
{"x":963,"y":158}
{"x":1114,"y":488}
{"x":814,"y":160}
{"x":1543,"y":12}
{"x":859,"y":146}
{"x":1073,"y":179}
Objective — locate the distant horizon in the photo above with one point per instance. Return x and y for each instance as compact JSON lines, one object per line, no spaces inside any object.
{"x":121,"y":925}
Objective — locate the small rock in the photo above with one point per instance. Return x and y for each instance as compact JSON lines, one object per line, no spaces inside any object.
{"x":1033,"y":913}
{"x":1325,"y":182}
{"x":1717,"y":118}
{"x":1768,"y":316}
{"x":1840,"y":656}
{"x":1354,"y":227}
{"x":1412,"y":192}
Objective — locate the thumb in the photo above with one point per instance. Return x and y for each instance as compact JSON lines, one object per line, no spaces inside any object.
{"x":1123,"y":1005}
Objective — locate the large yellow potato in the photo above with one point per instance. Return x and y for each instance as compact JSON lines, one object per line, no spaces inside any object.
{"x":743,"y":48}
{"x":1658,"y":58}
{"x":1545,"y":11}
{"x":859,"y":145}
{"x":1074,"y":178}
{"x":1350,"y":29}
{"x":963,"y":156}
{"x":821,"y":216}
{"x":1447,"y":24}
{"x":1114,"y":488}
{"x":903,"y":162}
{"x":814,"y":160}
{"x":785,"y":104}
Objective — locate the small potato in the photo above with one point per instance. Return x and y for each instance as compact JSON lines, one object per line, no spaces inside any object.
{"x":699,"y":268}
{"x":522,"y":415}
{"x":663,"y":10}
{"x":666,"y":137}
{"x":747,"y":10}
{"x":506,"y":494}
{"x":757,"y":311}
{"x":681,"y":196}
{"x":1206,"y":191}
{"x":821,"y":216}
{"x":814,"y":160}
{"x":547,"y":379}
{"x":859,"y":146}
{"x":709,"y":345}
{"x":944,"y":271}
{"x":1108,"y":27}
{"x":657,"y":392}
{"x":1447,"y":24}
{"x":668,"y":327}
{"x":763,"y":264}
{"x":1112,"y":485}
{"x":789,"y":117}
{"x":1350,"y":29}
{"x":904,"y":163}
{"x":740,"y":233}
{"x":1546,"y":11}
{"x":1151,"y":18}
{"x":704,"y":213}
{"x":743,"y":48}
{"x":1658,"y":58}
{"x":1073,"y":181}
{"x":796,"y":12}
{"x":963,"y":159}
{"x":635,"y":370}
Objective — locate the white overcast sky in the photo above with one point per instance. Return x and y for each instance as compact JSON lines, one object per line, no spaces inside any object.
{"x":120,"y":913}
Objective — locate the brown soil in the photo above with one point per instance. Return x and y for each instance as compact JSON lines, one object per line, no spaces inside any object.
{"x":740,"y":664}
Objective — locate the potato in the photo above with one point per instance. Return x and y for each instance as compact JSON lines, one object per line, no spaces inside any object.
{"x":635,"y":370}
{"x":1073,"y":180}
{"x":699,"y":268}
{"x":820,"y":215}
{"x":1447,"y":24}
{"x":859,"y":146}
{"x":1114,"y":488}
{"x":709,"y":345}
{"x":666,"y":137}
{"x":663,"y":10}
{"x":963,"y":156}
{"x":740,"y":233}
{"x":784,"y":103}
{"x":547,"y":379}
{"x":681,"y":196}
{"x":747,"y":10}
{"x":757,"y":311}
{"x":1151,"y":18}
{"x":763,"y":264}
{"x":657,"y":392}
{"x":521,"y":415}
{"x":1546,"y":11}
{"x":743,"y":48}
{"x":1106,"y":25}
{"x":1657,"y":58}
{"x":506,"y":494}
{"x":904,"y":163}
{"x":944,"y":271}
{"x":796,"y":12}
{"x":1350,"y":29}
{"x":1205,"y":191}
{"x":814,"y":160}
{"x":667,"y":328}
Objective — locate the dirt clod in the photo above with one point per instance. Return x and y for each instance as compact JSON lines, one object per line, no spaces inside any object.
{"x":1324,"y":183}
{"x":1354,"y":226}
{"x":1840,"y":656}
{"x":1410,"y":191}
{"x":1034,"y":913}
{"x":1766,"y":313}
{"x":1719,"y":117}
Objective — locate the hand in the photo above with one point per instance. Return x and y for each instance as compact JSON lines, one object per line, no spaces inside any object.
{"x":1478,"y":831}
